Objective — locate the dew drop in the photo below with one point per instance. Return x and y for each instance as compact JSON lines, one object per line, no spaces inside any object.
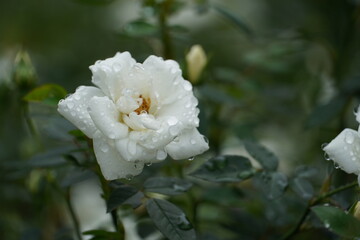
{"x":104,"y":147}
{"x":70,"y":104}
{"x":148,"y":164}
{"x":73,"y":114}
{"x":349,"y":138}
{"x":161,"y":155}
{"x":76,"y":96}
{"x":192,"y":141}
{"x":129,"y":177}
{"x":112,"y":135}
{"x":206,"y":139}
{"x":336,"y":166}
{"x":174,"y":130}
{"x":187,"y":86}
{"x":327,"y":225}
{"x":191,"y":158}
{"x":323,"y":146}
{"x":172,"y":121}
{"x":327,"y":157}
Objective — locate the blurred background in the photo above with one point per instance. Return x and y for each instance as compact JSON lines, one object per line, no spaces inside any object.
{"x":286,"y":73}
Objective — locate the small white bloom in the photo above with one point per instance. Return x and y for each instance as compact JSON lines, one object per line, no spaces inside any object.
{"x":137,"y":114}
{"x":344,"y":150}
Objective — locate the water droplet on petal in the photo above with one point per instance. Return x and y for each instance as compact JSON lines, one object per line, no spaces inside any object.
{"x":187,"y":86}
{"x":70,"y":104}
{"x":172,"y":121}
{"x":161,"y":155}
{"x":323,"y":146}
{"x":129,"y":177}
{"x":336,"y":166}
{"x":192,"y":141}
{"x":148,"y":164}
{"x":191,"y":158}
{"x":104,"y":147}
{"x":349,"y":138}
{"x":327,"y":157}
{"x":77,"y":97}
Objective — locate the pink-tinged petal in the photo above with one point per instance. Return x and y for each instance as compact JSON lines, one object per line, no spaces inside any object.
{"x":344,"y":150}
{"x":187,"y":145}
{"x":106,"y":118}
{"x":74,"y":108}
{"x":111,"y":164}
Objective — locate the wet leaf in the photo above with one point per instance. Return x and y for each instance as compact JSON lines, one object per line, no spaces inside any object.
{"x":167,"y":185}
{"x":49,"y":94}
{"x":261,"y":154}
{"x":121,"y":195}
{"x":170,"y":220}
{"x":338,"y":221}
{"x":302,"y":187}
{"x":273,"y":184}
{"x":225,"y":168}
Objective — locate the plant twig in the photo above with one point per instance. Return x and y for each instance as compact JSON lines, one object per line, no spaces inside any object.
{"x":312,"y":203}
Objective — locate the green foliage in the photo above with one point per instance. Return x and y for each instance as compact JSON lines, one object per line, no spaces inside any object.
{"x":266,"y":158}
{"x":49,"y":94}
{"x":167,"y":185}
{"x":121,"y":195}
{"x":170,"y":220}
{"x":338,"y":221}
{"x":225,"y":168}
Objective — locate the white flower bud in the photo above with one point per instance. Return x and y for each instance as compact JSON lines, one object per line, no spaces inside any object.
{"x":196,"y":61}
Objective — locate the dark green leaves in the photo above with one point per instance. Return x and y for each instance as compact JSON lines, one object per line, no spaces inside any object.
{"x":139,"y":28}
{"x":123,"y":194}
{"x":225,"y":168}
{"x":266,"y":158}
{"x":273,"y":184}
{"x":167,"y":185}
{"x":170,"y":220}
{"x":49,"y":94}
{"x":338,"y":221}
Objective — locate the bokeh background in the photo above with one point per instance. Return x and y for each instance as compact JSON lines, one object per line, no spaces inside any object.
{"x":286,"y":73}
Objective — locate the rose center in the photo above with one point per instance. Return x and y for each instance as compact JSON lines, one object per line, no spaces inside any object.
{"x":145,"y":106}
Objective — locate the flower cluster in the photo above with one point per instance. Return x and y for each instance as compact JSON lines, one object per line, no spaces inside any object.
{"x":137,"y":114}
{"x":344,"y":150}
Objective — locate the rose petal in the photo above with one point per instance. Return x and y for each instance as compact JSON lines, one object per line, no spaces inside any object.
{"x":345,"y":150}
{"x":110,"y":73}
{"x":106,"y":118}
{"x":111,"y":164}
{"x":74,"y":108}
{"x":131,"y":151}
{"x":188,"y":144}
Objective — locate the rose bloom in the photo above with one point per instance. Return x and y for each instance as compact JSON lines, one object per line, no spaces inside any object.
{"x":344,"y":150}
{"x":137,"y":114}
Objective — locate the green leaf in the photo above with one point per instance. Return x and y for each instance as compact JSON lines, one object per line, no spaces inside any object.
{"x":338,"y":221}
{"x":167,"y":185}
{"x":51,"y":158}
{"x":326,"y":112}
{"x":121,"y":195}
{"x":139,"y":28}
{"x":170,"y":220}
{"x":225,"y":168}
{"x":266,"y":158}
{"x":302,"y":187}
{"x":235,"y":19}
{"x":49,"y":94}
{"x":273,"y":184}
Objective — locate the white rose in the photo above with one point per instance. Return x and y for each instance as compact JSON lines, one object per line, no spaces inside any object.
{"x":344,"y":150}
{"x":137,"y":114}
